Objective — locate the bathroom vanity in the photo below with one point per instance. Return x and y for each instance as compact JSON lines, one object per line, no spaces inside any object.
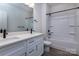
{"x":22,"y":44}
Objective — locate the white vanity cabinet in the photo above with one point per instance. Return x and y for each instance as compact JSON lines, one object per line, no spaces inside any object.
{"x":35,"y":46}
{"x":27,"y":47}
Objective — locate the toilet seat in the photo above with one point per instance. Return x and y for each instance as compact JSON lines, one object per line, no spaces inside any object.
{"x":48,"y":43}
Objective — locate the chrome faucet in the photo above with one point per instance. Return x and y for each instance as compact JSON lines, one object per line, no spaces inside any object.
{"x":1,"y":30}
{"x":31,"y":30}
{"x":4,"y":32}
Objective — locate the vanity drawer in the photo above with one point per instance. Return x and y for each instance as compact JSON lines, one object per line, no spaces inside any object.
{"x":31,"y":50}
{"x":31,"y":42}
{"x":39,"y":39}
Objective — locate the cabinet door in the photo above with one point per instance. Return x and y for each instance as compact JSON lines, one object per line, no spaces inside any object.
{"x":39,"y":46}
{"x":35,"y":46}
{"x":31,"y":47}
{"x":15,"y":49}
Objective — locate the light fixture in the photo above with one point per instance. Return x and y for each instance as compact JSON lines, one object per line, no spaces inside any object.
{"x":30,"y":4}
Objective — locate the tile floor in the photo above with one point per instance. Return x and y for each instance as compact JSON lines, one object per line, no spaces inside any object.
{"x":56,"y":52}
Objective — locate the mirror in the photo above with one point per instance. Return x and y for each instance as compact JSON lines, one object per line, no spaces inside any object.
{"x":15,"y":17}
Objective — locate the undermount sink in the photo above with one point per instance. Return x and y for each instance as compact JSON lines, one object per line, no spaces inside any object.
{"x":12,"y":38}
{"x":8,"y":38}
{"x":0,"y":38}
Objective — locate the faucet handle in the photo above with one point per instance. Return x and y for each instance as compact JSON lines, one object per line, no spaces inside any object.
{"x":31,"y":30}
{"x":1,"y":30}
{"x":4,"y":33}
{"x":27,"y":29}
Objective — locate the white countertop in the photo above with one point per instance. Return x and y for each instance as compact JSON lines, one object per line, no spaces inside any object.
{"x":14,"y":37}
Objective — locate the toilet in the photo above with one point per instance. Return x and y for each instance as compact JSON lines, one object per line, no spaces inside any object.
{"x":47,"y":45}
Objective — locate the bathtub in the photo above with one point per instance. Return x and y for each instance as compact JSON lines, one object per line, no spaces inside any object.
{"x":65,"y":45}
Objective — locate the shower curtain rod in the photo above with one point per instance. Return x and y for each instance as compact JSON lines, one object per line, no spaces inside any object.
{"x":62,"y":11}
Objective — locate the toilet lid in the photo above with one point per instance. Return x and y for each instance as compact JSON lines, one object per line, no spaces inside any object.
{"x":47,"y":42}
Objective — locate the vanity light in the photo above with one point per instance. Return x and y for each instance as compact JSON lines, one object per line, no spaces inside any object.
{"x":30,"y":4}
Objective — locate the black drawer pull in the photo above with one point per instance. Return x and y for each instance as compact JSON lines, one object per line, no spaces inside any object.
{"x":31,"y":41}
{"x":31,"y":51}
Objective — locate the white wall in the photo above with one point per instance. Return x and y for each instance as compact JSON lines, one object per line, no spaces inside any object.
{"x":16,"y":15}
{"x":40,"y":10}
{"x":61,"y":6}
{"x":37,"y":16}
{"x":43,"y":25}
